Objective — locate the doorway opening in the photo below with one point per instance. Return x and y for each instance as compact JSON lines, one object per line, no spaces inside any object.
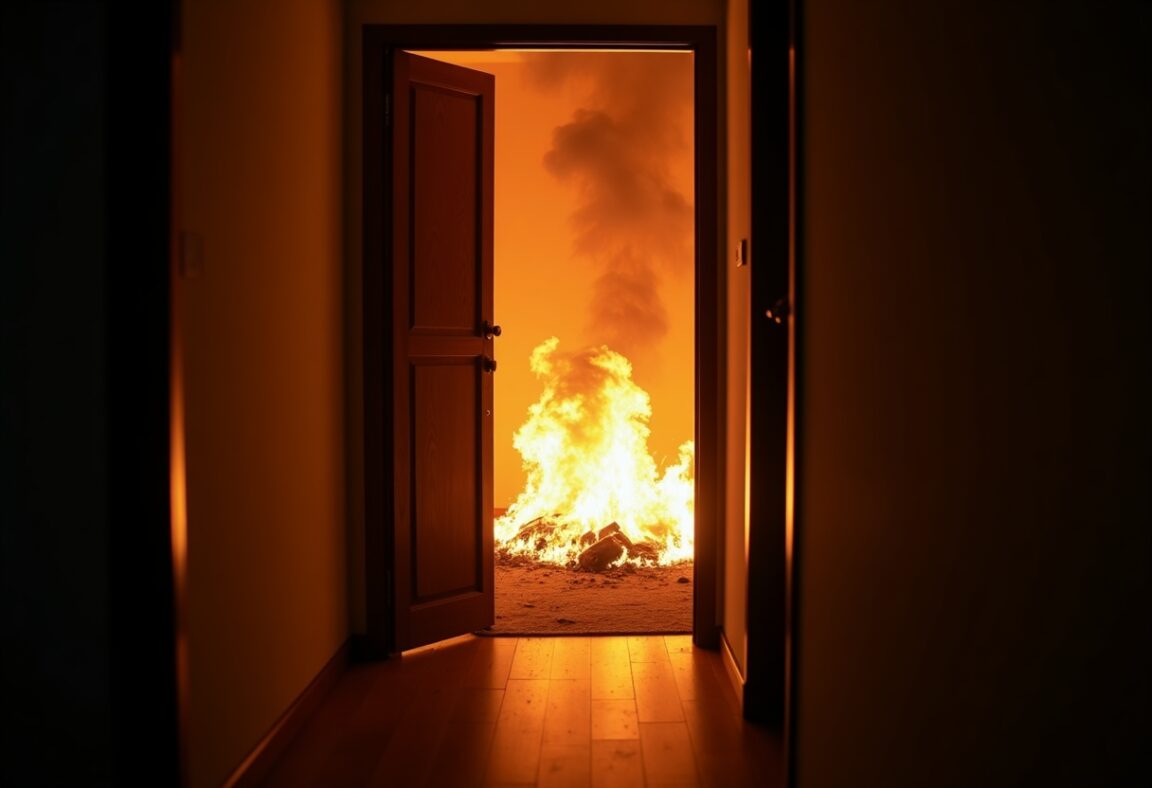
{"x":429,"y":576}
{"x":594,"y":263}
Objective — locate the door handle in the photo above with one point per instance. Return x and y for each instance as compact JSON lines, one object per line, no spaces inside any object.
{"x":779,"y":311}
{"x":491,"y":330}
{"x":488,"y":364}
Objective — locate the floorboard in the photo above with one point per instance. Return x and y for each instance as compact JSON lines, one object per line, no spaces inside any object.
{"x":608,"y":712}
{"x":617,"y":764}
{"x":611,"y":668}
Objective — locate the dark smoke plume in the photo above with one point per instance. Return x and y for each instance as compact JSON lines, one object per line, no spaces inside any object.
{"x":632,"y":222}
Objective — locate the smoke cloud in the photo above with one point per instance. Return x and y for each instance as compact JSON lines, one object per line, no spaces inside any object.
{"x":632,"y":221}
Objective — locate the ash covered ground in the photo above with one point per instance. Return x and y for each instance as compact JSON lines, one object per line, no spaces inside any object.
{"x":543,"y":599}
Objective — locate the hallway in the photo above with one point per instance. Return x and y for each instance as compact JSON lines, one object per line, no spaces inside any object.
{"x":607,"y":711}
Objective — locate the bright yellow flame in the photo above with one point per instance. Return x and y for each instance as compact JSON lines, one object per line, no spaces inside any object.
{"x":585,"y":452}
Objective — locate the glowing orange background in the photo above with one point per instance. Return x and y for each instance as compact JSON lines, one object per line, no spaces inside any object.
{"x":543,"y":287}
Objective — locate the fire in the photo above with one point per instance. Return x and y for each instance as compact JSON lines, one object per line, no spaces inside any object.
{"x":592,"y":482}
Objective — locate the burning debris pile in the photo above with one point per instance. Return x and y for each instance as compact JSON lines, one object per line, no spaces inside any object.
{"x":598,"y":550}
{"x":594,"y":498}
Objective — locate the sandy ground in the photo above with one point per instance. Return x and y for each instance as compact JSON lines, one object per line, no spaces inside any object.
{"x":539,"y":599}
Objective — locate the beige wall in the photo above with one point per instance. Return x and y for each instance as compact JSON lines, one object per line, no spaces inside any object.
{"x":737,"y":226}
{"x":973,"y":493}
{"x":260,"y":182}
{"x":360,"y":12}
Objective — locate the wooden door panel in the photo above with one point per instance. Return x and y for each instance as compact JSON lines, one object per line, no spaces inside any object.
{"x":444,"y":256}
{"x":445,"y":435}
{"x":441,"y":135}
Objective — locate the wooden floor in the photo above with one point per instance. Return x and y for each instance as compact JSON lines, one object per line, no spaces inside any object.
{"x":597,"y":711}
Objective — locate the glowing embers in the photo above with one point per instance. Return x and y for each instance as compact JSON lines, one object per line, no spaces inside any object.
{"x":594,"y":497}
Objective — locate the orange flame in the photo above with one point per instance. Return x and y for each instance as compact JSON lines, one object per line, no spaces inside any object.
{"x":585,"y":451}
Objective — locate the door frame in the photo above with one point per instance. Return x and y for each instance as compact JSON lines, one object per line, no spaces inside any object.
{"x":378,"y":42}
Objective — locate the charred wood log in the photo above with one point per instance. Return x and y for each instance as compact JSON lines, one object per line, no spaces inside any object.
{"x":602,"y":554}
{"x":644,"y":551}
{"x":614,"y":528}
{"x":538,"y":532}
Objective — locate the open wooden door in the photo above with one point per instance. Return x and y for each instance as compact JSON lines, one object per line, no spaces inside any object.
{"x":441,"y":124}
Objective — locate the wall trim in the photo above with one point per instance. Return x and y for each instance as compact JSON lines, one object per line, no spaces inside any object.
{"x":257,"y":766}
{"x":732,"y":669}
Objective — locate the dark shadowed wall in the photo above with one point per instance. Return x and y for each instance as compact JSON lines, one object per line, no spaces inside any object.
{"x":975,"y":435}
{"x":53,"y":554}
{"x":87,"y":656}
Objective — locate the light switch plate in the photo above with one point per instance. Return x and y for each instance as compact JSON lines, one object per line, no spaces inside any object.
{"x":742,"y":253}
{"x":191,"y":255}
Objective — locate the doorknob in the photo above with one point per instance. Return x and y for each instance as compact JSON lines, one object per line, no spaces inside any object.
{"x":779,"y":311}
{"x":491,"y":330}
{"x":488,"y":364}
